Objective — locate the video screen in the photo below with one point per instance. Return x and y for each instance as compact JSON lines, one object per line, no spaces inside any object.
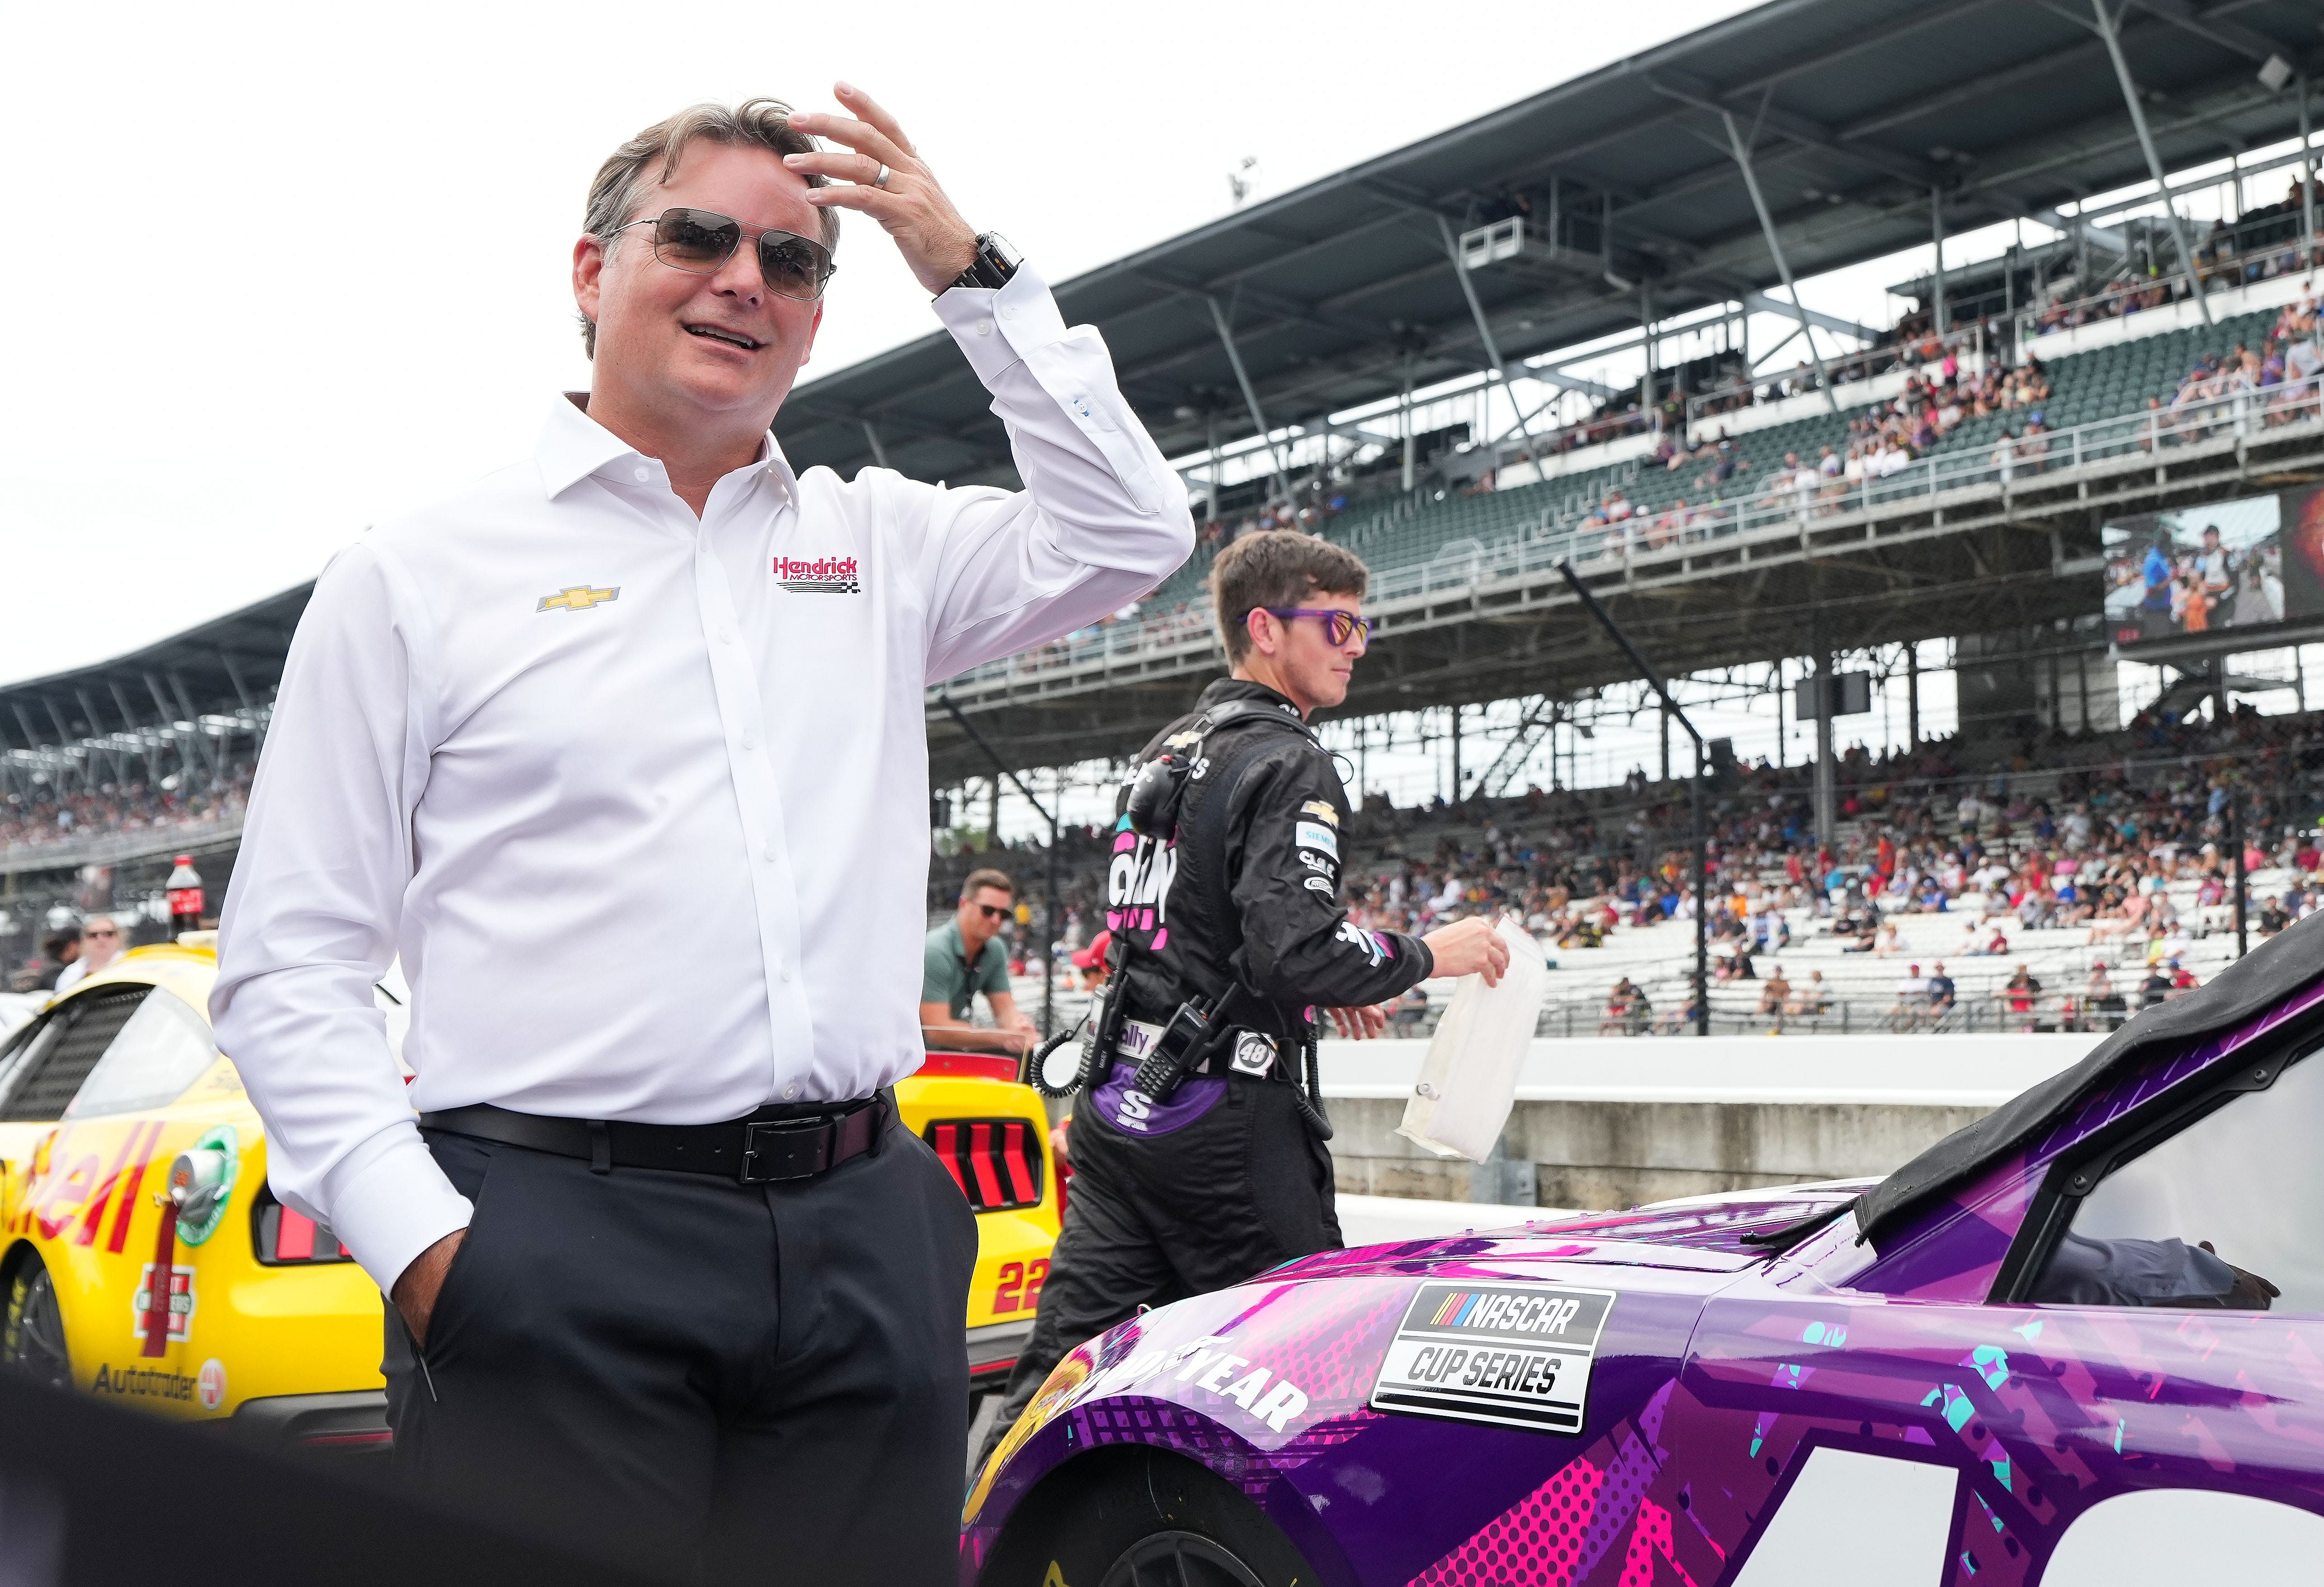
{"x":2254,"y":563}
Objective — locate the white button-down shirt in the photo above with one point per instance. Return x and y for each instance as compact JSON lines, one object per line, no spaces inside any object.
{"x":643,"y":800}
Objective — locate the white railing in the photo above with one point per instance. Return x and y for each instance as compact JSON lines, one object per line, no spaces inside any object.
{"x":2223,"y":264}
{"x":1465,"y":563}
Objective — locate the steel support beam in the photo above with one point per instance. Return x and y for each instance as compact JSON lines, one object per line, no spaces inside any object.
{"x":1250,"y":397}
{"x":1760,"y":303}
{"x":1775,"y":247}
{"x":1477,"y":311}
{"x":2110,"y":30}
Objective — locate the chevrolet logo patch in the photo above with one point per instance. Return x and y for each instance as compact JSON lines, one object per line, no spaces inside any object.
{"x":579,"y":598}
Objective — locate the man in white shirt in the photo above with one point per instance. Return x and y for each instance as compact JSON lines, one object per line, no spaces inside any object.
{"x":100,"y":946}
{"x":622,"y":750}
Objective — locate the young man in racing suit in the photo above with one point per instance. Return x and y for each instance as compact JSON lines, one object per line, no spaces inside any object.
{"x":1228,"y":1176}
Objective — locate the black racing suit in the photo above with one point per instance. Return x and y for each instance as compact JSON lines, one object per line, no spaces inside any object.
{"x":1225,"y":1179}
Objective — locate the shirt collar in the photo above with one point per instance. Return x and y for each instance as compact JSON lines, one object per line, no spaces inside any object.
{"x":1244,"y":688}
{"x":572,"y":446}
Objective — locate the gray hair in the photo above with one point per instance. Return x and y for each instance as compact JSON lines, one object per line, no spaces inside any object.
{"x":650,"y":160}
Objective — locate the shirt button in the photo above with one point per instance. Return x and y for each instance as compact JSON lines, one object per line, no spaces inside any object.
{"x":984,"y":327}
{"x":791,"y":1092}
{"x":771,"y":851}
{"x":643,"y":475}
{"x":726,"y":636}
{"x":750,"y":742}
{"x":787,"y":971}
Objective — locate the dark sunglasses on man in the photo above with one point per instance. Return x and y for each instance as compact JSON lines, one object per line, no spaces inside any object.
{"x":699,"y":241}
{"x":1339,"y":627}
{"x":993,"y":912}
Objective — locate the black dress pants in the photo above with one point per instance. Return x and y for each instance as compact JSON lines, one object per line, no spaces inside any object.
{"x":1150,"y":1220}
{"x":696,"y":1378}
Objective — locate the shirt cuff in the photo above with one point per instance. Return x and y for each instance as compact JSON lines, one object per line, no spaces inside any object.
{"x":996,"y":328}
{"x":388,"y":1202}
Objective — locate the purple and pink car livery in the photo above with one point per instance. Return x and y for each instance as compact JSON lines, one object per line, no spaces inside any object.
{"x":1872,"y":1382}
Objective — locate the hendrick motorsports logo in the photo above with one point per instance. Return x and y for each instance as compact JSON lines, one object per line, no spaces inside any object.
{"x":1518,"y":1355}
{"x":826,"y":576}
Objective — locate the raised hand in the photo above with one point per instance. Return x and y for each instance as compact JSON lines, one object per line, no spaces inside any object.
{"x":885,"y":178}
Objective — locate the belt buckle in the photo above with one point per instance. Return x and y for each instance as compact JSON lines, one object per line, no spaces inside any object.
{"x":788,"y":1149}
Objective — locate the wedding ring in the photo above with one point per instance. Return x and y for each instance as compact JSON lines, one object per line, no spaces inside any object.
{"x":881,"y":180}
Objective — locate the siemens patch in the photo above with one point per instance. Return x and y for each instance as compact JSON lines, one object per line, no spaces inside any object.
{"x":1311,"y":834}
{"x":1516,"y":1355}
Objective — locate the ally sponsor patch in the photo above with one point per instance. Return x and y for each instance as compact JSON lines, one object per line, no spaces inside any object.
{"x":1516,"y":1355}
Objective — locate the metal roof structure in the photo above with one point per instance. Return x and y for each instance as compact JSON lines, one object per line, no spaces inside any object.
{"x":226,"y":668}
{"x":1852,"y":112}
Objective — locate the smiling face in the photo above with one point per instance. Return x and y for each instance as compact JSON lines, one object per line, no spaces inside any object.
{"x":720,"y":349}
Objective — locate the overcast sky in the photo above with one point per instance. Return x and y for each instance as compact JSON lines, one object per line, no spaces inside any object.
{"x":278,"y":272}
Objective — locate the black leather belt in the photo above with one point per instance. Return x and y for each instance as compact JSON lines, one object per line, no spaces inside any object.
{"x":768,"y":1147}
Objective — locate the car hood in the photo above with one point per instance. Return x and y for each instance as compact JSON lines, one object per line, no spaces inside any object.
{"x":1259,"y":1377}
{"x":1706,"y":1233}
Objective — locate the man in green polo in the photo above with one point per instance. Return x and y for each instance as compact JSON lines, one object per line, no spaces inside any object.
{"x":964,"y":956}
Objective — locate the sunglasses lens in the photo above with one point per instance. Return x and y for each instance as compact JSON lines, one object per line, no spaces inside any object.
{"x":794,"y":267}
{"x":695,"y":239}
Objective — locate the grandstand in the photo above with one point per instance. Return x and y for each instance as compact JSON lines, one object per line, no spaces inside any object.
{"x":1949,"y":478}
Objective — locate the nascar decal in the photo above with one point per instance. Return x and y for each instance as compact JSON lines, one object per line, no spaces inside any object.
{"x":826,"y":576}
{"x":1318,"y":884}
{"x":1309,"y":834}
{"x":1516,"y":1355}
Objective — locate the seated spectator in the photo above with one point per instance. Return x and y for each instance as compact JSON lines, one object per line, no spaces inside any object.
{"x":1940,"y":993}
{"x":1888,"y":944}
{"x":1626,"y":1009}
{"x":2019,"y":998}
{"x":1774,"y":993}
{"x":1811,"y":996}
{"x":1912,"y":1001}
{"x":1409,"y":1012}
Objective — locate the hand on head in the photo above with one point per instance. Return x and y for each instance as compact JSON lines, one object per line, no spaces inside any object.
{"x":885,"y":178}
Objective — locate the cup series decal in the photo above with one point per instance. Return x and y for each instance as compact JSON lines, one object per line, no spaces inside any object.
{"x":1516,"y":1355}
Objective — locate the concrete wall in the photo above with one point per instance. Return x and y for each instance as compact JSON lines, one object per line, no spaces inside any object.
{"x":1614,"y":1123}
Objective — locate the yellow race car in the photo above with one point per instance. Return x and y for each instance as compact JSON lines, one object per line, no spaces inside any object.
{"x":128,"y":1149}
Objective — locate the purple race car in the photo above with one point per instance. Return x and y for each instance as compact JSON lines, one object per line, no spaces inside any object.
{"x":2080,"y":1342}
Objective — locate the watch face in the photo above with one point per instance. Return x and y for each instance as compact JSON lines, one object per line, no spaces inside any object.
{"x":995,"y":246}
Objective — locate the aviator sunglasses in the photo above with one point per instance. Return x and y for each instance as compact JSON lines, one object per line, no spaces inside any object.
{"x":699,"y":241}
{"x":1339,"y":627}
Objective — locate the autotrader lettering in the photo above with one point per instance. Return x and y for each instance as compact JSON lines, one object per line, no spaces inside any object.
{"x":143,"y":1382}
